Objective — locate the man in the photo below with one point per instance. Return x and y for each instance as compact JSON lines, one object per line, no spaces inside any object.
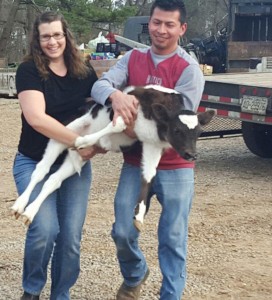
{"x":168,"y":65}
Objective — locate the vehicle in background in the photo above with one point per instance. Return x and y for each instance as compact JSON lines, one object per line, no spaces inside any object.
{"x":7,"y":78}
{"x":244,"y":92}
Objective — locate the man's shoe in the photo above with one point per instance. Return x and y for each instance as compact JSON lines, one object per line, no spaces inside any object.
{"x":27,"y":296}
{"x":126,"y":292}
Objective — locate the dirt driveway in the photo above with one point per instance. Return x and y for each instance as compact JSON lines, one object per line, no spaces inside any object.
{"x":230,"y":243}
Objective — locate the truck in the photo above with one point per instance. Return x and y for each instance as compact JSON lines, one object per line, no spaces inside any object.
{"x":244,"y":91}
{"x":241,"y":38}
{"x":246,"y":97}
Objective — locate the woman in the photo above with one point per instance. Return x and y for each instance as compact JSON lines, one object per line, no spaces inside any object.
{"x":52,"y":83}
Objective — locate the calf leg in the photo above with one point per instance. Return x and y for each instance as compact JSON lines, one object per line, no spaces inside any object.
{"x":91,"y":139}
{"x":66,"y":170}
{"x":52,"y":151}
{"x":150,"y":160}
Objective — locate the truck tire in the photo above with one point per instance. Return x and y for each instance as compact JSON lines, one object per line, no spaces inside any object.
{"x":258,"y":138}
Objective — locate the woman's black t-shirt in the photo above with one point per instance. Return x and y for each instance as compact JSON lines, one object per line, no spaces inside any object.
{"x":63,"y":97}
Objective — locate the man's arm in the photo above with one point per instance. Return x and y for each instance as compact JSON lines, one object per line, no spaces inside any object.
{"x":191,"y":86}
{"x":108,"y":87}
{"x":114,"y":79}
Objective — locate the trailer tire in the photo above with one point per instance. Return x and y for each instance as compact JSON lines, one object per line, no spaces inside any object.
{"x":258,"y":138}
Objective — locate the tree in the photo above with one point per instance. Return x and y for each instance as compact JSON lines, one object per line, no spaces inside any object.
{"x":83,"y":15}
{"x":203,"y":16}
{"x":8,"y":26}
{"x":141,"y":6}
{"x":87,"y":17}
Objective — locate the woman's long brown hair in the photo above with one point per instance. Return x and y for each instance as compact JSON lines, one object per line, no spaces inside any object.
{"x":73,"y":59}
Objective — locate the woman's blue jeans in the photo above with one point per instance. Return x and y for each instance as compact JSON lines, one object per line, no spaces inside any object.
{"x":174,"y":190}
{"x":55,"y":231}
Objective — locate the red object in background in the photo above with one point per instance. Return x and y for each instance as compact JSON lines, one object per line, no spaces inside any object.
{"x":110,"y":37}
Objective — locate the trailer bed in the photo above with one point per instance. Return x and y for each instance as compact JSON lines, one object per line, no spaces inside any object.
{"x":260,"y":79}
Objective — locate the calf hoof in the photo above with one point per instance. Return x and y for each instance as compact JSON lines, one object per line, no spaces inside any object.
{"x":17,"y":208}
{"x":15,"y":213}
{"x":26,"y":220}
{"x":139,"y":225}
{"x":120,"y":125}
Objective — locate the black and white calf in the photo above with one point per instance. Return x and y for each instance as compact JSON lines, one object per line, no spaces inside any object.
{"x":162,"y":122}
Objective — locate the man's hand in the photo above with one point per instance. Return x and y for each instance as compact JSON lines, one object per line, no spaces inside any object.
{"x":124,"y":105}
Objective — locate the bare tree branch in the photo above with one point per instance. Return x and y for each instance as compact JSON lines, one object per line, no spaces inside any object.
{"x":7,"y":29}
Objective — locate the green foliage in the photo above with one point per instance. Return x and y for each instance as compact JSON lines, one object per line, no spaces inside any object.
{"x":82,"y":15}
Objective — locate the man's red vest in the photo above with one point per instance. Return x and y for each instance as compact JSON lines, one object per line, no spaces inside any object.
{"x":142,"y":71}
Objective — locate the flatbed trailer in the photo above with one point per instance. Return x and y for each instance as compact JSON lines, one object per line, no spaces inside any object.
{"x":246,"y":97}
{"x":7,"y":82}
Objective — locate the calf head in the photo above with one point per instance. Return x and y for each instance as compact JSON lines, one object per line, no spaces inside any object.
{"x":181,"y":129}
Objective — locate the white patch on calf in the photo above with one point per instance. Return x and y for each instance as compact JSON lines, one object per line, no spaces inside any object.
{"x":145,"y":129}
{"x":161,"y":89}
{"x":190,"y":121}
{"x":142,"y":209}
{"x":129,"y":89}
{"x":151,"y":86}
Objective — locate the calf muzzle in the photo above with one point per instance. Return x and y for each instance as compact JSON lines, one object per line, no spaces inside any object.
{"x":189,"y":156}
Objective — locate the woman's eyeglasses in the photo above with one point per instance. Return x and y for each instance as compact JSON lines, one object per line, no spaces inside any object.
{"x":57,"y":36}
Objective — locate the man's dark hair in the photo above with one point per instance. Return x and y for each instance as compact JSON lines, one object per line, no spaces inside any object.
{"x":170,"y":5}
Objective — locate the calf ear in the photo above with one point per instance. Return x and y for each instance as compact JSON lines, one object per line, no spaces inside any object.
{"x":160,"y":112}
{"x":205,"y":118}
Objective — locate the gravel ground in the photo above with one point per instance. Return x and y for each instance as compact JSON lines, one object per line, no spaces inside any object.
{"x":230,"y":243}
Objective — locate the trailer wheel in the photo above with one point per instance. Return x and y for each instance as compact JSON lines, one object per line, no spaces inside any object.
{"x":258,"y":138}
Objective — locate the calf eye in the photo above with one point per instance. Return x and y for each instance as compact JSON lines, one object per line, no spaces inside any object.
{"x":176,"y":130}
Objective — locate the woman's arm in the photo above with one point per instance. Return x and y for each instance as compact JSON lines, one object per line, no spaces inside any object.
{"x":33,"y":107}
{"x":35,"y":115}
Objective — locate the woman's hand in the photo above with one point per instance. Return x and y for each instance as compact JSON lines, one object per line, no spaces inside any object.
{"x":90,"y":152}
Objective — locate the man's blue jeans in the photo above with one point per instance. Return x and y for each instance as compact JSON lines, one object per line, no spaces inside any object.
{"x":55,"y":231}
{"x":174,"y":190}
